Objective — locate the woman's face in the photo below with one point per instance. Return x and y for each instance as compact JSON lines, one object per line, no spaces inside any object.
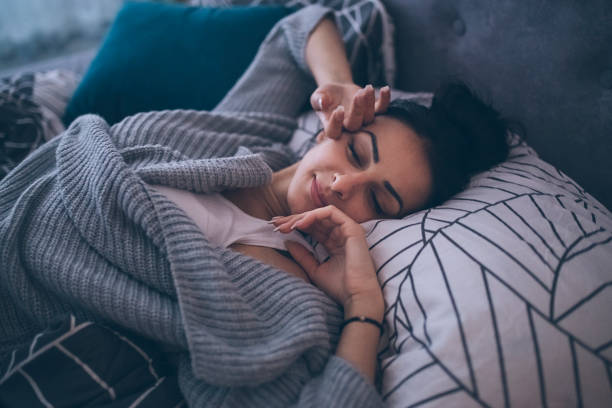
{"x":380,"y":171}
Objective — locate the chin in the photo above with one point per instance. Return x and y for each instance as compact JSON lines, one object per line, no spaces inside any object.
{"x":297,"y":206}
{"x":298,"y":199}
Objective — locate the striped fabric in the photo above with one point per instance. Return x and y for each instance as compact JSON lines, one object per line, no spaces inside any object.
{"x":52,"y":91}
{"x":500,"y":296}
{"x":21,"y":122}
{"x":76,"y":363}
{"x":31,"y":107}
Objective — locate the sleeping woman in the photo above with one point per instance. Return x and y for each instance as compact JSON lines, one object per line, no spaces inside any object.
{"x":185,"y":226}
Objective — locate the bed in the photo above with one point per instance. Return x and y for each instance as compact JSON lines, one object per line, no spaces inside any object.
{"x":501,"y":295}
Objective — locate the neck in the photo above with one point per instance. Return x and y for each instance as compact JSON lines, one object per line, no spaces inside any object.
{"x":265,"y":201}
{"x":279,"y":188}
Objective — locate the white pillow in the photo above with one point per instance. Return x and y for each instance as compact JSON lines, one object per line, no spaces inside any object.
{"x":501,"y":296}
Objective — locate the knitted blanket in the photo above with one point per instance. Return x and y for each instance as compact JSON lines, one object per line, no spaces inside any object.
{"x":84,"y":234}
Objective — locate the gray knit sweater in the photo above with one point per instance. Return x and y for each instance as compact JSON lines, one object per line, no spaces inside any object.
{"x":83,"y":233}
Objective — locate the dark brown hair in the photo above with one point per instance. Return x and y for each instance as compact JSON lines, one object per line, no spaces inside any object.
{"x":463,"y":135}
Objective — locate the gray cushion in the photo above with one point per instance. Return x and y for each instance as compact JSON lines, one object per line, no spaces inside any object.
{"x":547,"y":63}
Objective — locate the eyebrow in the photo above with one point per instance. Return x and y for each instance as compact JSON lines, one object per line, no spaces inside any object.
{"x":386,"y":183}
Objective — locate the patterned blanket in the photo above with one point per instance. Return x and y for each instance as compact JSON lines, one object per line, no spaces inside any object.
{"x":31,"y":107}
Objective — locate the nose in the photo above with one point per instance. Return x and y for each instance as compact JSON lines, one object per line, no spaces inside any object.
{"x":345,"y":184}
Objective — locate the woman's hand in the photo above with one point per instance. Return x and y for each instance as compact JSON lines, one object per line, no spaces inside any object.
{"x":348,"y":276}
{"x":346,"y":105}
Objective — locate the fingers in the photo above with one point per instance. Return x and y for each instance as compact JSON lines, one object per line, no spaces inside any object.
{"x":326,"y":217}
{"x":355,"y":114}
{"x":318,"y":100}
{"x":333,"y":128}
{"x":384,"y":98}
{"x":286,"y":224}
{"x":329,"y":103}
{"x":369,"y":102}
{"x":364,"y":106}
{"x":320,"y":222}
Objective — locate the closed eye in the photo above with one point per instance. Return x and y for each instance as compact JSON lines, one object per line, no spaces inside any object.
{"x":354,"y":154}
{"x":376,"y":205}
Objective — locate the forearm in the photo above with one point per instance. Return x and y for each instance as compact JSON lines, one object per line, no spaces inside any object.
{"x":326,"y":55}
{"x":343,"y":383}
{"x":278,"y":81}
{"x":359,"y":341}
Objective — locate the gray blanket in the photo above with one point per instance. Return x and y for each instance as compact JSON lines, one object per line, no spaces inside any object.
{"x":84,"y":234}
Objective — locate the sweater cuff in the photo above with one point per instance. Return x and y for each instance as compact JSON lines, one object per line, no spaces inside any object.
{"x":342,"y":386}
{"x":298,"y":26}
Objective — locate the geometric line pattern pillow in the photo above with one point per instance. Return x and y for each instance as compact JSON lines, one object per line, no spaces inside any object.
{"x":501,"y":296}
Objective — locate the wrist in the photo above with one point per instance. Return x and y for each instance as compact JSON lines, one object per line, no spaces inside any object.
{"x":332,"y":77}
{"x":370,"y":305}
{"x":364,"y":320}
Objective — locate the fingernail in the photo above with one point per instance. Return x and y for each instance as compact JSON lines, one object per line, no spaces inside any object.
{"x":369,"y":86}
{"x":386,"y":87}
{"x":340,"y":108}
{"x":320,"y":102}
{"x":294,"y":225}
{"x":276,"y":229}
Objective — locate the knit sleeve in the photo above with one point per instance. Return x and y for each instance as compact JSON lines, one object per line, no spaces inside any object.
{"x":278,"y":80}
{"x":339,"y":385}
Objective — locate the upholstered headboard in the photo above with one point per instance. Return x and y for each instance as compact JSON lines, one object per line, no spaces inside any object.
{"x":547,"y":63}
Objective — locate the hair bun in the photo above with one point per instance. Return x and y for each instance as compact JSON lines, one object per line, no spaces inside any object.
{"x":477,"y":129}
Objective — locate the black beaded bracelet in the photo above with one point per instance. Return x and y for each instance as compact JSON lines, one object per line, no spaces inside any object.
{"x":363,"y":319}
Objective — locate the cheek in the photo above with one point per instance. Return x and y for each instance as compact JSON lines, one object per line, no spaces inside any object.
{"x":324,"y":153}
{"x":297,"y":192}
{"x":320,"y":159}
{"x":359,"y":211}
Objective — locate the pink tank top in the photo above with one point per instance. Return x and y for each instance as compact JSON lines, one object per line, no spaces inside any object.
{"x":223,"y":223}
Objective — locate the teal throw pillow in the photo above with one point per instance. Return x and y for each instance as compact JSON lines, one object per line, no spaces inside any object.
{"x":163,"y":56}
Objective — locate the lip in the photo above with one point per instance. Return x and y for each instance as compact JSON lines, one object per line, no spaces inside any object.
{"x":315,"y":194}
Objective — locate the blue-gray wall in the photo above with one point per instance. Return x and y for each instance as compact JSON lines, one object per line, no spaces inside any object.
{"x":33,"y":30}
